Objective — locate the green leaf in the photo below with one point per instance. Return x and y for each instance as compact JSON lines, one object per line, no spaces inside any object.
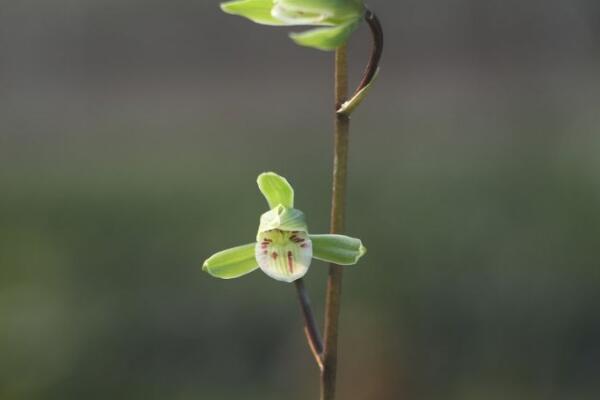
{"x":232,"y":263}
{"x":326,"y":39}
{"x":258,"y":11}
{"x":337,"y":249}
{"x":283,"y":219}
{"x":349,"y":106}
{"x":276,"y":189}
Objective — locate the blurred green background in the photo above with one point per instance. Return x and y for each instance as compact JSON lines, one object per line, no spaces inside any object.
{"x":131,"y":135}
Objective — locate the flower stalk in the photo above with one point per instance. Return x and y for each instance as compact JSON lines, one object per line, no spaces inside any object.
{"x":311,"y":329}
{"x":376,"y":51}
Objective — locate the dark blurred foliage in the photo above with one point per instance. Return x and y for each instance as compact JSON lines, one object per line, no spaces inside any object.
{"x":131,"y":133}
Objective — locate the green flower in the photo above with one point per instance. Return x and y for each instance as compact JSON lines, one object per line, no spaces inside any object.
{"x":337,"y":18}
{"x":283,"y":249}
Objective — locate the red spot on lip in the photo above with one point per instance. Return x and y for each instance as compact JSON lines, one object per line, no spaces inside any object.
{"x":296,"y":239}
{"x":290,"y":262}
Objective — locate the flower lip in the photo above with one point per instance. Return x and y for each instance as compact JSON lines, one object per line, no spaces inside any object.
{"x":325,"y":12}
{"x":299,"y":16}
{"x":284,"y":255}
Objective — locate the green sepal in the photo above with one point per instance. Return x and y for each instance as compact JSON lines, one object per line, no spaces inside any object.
{"x":327,"y":39}
{"x":258,"y":11}
{"x":283,"y":219}
{"x":232,"y":263}
{"x":337,"y":249}
{"x":276,"y":189}
{"x":349,"y":106}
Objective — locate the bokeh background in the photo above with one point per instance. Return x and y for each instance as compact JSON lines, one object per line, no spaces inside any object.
{"x":131,"y":135}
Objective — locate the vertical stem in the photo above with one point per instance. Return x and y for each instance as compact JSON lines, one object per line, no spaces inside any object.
{"x":338,"y":205}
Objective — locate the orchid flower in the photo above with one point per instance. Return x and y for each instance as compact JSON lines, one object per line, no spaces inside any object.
{"x":337,"y":18}
{"x":283,"y":249}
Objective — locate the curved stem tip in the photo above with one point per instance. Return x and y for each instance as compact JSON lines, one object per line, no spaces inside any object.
{"x":376,"y":52}
{"x":372,"y":67}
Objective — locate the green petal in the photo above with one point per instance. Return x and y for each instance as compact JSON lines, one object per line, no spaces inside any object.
{"x":232,"y":263}
{"x":276,"y":189}
{"x":326,"y":38}
{"x":283,"y":219}
{"x":337,"y":249}
{"x":258,"y":11}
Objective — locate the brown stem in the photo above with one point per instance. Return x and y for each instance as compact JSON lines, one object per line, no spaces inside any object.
{"x":338,"y":202}
{"x":310,"y":325}
{"x":334,"y":282}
